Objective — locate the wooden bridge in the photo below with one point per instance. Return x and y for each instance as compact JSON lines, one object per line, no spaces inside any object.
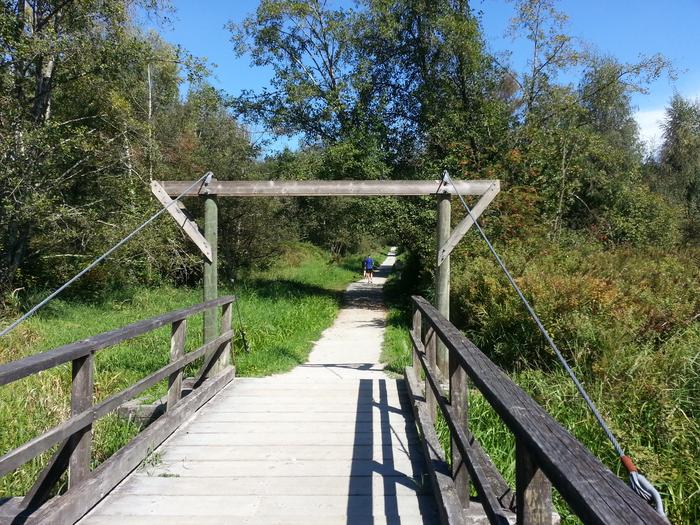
{"x":334,"y":441}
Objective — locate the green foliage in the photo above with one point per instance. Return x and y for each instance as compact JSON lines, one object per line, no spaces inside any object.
{"x":309,"y":46}
{"x":679,"y":173}
{"x":640,"y":217}
{"x":626,"y":319}
{"x":86,"y":91}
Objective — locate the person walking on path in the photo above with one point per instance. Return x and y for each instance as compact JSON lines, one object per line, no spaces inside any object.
{"x":368,"y":268}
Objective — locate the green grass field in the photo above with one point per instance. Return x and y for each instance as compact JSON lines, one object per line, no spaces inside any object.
{"x":284,"y":310}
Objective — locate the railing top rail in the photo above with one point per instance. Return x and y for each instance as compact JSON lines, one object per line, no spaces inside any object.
{"x":594,"y":493}
{"x":32,"y":364}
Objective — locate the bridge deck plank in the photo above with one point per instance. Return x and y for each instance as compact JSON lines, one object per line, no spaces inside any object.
{"x":333,"y":441}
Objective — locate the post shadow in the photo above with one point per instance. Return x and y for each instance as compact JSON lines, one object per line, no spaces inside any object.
{"x":364,"y":464}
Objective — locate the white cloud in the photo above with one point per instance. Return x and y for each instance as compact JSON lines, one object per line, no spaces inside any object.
{"x":650,"y":130}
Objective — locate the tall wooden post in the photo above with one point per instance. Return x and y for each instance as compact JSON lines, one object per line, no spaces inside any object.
{"x":211,"y":227}
{"x":442,"y":274}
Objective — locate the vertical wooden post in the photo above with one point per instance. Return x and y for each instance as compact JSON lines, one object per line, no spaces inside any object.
{"x":177,"y":350}
{"x":459,"y":390}
{"x":82,"y":387}
{"x":430,"y":351}
{"x":211,"y":221}
{"x":533,"y":491}
{"x":225,"y":357}
{"x":442,"y":273}
{"x":417,"y":334}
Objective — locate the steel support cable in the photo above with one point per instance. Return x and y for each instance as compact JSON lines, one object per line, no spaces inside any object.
{"x":638,"y":482}
{"x":204,"y":179}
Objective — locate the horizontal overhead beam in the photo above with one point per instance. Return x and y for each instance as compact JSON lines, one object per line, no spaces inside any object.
{"x":327,"y":188}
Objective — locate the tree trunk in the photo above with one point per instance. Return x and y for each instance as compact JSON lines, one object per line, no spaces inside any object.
{"x":44,"y":81}
{"x":17,"y":245}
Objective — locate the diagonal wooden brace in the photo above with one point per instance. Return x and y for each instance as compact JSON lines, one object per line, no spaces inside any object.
{"x":188,"y":226}
{"x":468,"y":222}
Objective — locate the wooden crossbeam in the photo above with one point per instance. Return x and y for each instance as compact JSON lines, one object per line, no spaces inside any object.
{"x":183,"y":221}
{"x":468,"y":221}
{"x":329,"y":188}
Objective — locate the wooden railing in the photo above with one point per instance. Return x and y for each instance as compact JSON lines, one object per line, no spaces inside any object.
{"x":74,"y":435}
{"x":546,"y":454}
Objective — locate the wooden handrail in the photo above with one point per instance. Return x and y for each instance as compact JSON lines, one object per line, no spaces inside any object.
{"x":43,"y":361}
{"x":74,"y":435}
{"x":545,"y":451}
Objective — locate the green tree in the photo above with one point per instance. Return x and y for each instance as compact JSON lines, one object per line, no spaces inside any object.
{"x":309,"y":47}
{"x":77,"y":118}
{"x":680,"y":155}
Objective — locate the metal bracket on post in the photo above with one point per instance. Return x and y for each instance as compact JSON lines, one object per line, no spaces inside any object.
{"x":204,"y":190}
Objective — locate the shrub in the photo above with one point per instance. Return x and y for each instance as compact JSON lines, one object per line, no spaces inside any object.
{"x":641,"y":217}
{"x":627,"y":319}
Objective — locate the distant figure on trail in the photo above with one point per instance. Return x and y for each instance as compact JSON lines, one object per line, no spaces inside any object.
{"x":368,"y":268}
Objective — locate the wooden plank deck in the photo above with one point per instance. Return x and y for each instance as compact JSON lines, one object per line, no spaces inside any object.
{"x":333,"y":441}
{"x":351,"y":457}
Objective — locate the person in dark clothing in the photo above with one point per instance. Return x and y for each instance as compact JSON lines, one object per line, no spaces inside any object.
{"x":368,"y":268}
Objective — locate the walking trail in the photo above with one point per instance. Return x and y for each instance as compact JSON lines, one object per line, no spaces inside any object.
{"x":331,"y":442}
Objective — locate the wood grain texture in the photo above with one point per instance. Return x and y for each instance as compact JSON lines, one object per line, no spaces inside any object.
{"x":183,"y":221}
{"x":365,"y":464}
{"x":43,"y":361}
{"x":533,"y":490}
{"x":449,"y":505}
{"x":431,"y":357}
{"x":211,"y":268}
{"x":442,"y":275}
{"x":327,"y":188}
{"x":465,"y":224}
{"x":177,"y":350}
{"x":82,"y":389}
{"x":417,"y":330}
{"x":459,"y":402}
{"x":477,"y":462}
{"x":72,"y":505}
{"x":593,"y":492}
{"x":75,"y":433}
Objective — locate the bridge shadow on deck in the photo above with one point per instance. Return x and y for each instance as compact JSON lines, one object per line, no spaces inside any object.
{"x":388,"y":441}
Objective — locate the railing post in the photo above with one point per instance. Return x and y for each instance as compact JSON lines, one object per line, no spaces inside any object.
{"x":430,"y":345}
{"x":225,"y":357}
{"x":417,"y":334}
{"x":82,"y":387}
{"x":177,"y":350}
{"x":459,"y":400}
{"x":533,"y":491}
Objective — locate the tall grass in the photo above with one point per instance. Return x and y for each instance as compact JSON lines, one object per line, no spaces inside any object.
{"x":284,"y":310}
{"x":628,"y":321}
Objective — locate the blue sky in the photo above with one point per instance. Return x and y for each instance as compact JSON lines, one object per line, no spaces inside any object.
{"x":623,"y":29}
